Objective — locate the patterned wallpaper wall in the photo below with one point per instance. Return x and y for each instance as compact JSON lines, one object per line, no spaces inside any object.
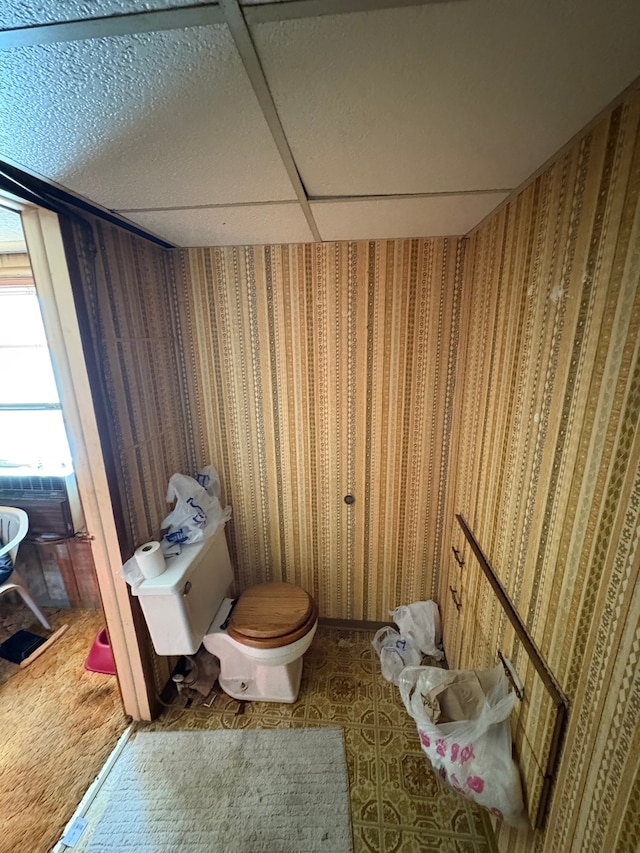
{"x":128,"y":287}
{"x":317,"y":372}
{"x":125,"y":293}
{"x":545,"y":466}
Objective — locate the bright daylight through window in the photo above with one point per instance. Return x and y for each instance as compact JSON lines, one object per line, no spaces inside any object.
{"x":32,"y":432}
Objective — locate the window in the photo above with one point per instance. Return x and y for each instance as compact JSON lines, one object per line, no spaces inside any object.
{"x":32,"y":432}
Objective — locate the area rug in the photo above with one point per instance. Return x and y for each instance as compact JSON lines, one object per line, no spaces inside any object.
{"x":237,"y":791}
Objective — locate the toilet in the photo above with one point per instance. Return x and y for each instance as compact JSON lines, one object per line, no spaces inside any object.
{"x":259,"y":638}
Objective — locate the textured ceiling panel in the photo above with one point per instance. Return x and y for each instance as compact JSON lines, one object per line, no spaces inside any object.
{"x":447,"y":97}
{"x":438,"y":216}
{"x":157,"y":120}
{"x":228,"y":226}
{"x":24,"y":12}
{"x":444,"y":97}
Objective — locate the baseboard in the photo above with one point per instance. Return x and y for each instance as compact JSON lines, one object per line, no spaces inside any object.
{"x":352,"y":624}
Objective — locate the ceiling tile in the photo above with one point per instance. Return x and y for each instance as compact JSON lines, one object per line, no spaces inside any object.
{"x":438,"y":216}
{"x":156,"y":120}
{"x":22,"y":13}
{"x":447,"y":96}
{"x":228,"y":226}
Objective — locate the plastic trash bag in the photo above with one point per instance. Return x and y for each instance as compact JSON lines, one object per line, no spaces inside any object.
{"x":209,"y":480}
{"x":197,"y":513}
{"x":472,"y":754}
{"x":395,"y":653}
{"x":132,"y":573}
{"x":419,"y":624}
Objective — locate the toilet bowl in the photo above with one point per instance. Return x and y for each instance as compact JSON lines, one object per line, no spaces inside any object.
{"x":259,"y":638}
{"x":261,"y":657}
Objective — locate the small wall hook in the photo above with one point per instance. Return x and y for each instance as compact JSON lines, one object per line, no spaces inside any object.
{"x":454,"y":596}
{"x":457,"y":556}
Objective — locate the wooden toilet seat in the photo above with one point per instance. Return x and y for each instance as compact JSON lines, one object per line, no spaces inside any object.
{"x":271,"y":615}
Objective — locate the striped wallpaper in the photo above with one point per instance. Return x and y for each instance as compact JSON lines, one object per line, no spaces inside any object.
{"x":545,"y":467}
{"x":130,"y":308}
{"x":126,"y":300}
{"x":320,"y":372}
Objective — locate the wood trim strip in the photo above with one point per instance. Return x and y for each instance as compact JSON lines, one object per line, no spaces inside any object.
{"x":44,"y":646}
{"x":512,"y":615}
{"x":551,"y":685}
{"x":51,"y":272}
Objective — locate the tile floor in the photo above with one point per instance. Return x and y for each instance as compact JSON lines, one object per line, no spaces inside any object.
{"x":398,"y":805}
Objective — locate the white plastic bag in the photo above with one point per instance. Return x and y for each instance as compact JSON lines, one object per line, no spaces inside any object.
{"x":132,"y":573}
{"x":209,"y":480}
{"x":419,"y":624}
{"x":197,"y":513}
{"x":395,"y":653}
{"x":472,"y":755}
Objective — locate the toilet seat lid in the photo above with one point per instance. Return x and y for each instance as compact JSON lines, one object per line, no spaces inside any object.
{"x":271,"y":610}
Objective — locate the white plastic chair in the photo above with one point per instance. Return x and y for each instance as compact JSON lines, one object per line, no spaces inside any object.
{"x":14,"y":524}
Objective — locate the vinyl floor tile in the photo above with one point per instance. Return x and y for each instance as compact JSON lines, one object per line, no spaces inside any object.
{"x":398,"y":805}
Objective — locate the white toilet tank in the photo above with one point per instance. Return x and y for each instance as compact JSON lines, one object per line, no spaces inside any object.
{"x":179,"y":605}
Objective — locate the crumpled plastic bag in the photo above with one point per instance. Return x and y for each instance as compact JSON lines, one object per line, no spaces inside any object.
{"x":419,"y":624}
{"x":419,"y":634}
{"x":197,"y":513}
{"x":472,"y":754}
{"x":395,"y":652}
{"x":210,"y":482}
{"x":131,"y":573}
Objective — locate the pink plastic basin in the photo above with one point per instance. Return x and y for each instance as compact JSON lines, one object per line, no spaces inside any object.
{"x":100,"y":658}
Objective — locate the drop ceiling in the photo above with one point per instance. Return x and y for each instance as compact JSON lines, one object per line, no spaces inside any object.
{"x":300,"y":120}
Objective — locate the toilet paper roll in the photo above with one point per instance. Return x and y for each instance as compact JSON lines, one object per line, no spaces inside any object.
{"x":150,"y":559}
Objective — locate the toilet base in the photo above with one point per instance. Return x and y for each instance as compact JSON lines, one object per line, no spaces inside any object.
{"x":265,"y":683}
{"x":253,"y":674}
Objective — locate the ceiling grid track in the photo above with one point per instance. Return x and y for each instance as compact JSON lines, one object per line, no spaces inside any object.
{"x":323,"y":199}
{"x":132,"y":23}
{"x":246,"y":49}
{"x":179,"y":119}
{"x":184,"y":17}
{"x":239,"y":20}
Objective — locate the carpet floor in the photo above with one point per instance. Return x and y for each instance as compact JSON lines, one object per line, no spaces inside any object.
{"x":238,"y":791}
{"x":59,"y":724}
